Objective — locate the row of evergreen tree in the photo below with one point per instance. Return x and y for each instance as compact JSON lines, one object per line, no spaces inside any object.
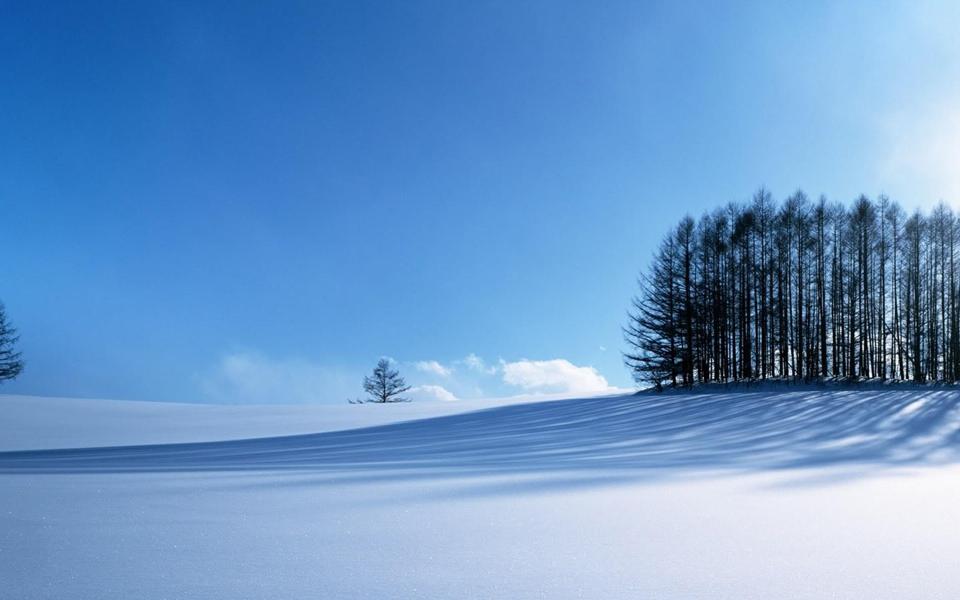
{"x":800,"y":289}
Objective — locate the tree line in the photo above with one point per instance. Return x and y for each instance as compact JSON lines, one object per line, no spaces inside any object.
{"x":800,"y":289}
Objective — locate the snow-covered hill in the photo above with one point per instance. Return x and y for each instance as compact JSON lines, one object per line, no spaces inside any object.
{"x":804,"y":494}
{"x":32,"y":422}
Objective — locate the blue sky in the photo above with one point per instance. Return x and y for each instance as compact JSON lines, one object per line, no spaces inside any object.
{"x":252,"y":202}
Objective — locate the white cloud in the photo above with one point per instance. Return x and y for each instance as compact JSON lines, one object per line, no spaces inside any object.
{"x":253,"y":378}
{"x":431,"y":392}
{"x":475,"y":363}
{"x":557,"y":375}
{"x":248,"y":377}
{"x":432,"y":366}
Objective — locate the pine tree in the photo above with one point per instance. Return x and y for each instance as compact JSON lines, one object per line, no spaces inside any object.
{"x":386,"y":384}
{"x":652,"y":330}
{"x":10,"y":363}
{"x":798,"y":289}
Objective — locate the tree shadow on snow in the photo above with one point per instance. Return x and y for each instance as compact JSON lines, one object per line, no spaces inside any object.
{"x":570,"y":443}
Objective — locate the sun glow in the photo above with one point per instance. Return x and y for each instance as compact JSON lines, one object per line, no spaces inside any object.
{"x":923,"y":154}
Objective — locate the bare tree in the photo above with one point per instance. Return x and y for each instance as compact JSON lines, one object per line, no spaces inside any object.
{"x":386,"y":384}
{"x":797,"y":290}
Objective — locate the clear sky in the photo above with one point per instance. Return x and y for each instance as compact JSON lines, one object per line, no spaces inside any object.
{"x":252,"y":202}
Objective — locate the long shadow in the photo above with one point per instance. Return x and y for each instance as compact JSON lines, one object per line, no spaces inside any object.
{"x":634,"y":436}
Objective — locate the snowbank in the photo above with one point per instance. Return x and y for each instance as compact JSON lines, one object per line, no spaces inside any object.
{"x":35,"y":422}
{"x":806,"y":494}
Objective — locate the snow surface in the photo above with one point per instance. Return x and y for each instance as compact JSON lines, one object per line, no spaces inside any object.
{"x":33,"y":423}
{"x":807,"y":494}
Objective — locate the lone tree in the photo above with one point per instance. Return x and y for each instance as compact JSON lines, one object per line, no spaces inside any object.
{"x":10,"y":363}
{"x":386,"y":384}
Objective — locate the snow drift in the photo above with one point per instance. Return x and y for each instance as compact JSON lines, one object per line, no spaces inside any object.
{"x":802,"y":494}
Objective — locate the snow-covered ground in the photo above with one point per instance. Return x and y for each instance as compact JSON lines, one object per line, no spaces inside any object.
{"x":806,"y":494}
{"x":33,"y":423}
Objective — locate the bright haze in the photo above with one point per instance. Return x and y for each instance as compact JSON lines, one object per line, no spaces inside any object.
{"x":253,"y":202}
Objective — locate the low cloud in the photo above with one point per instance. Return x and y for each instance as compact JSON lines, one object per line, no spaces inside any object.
{"x":433,"y":367}
{"x":475,"y":363}
{"x":557,"y":375}
{"x":431,"y":392}
{"x":252,"y":378}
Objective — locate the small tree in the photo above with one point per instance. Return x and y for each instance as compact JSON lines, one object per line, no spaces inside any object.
{"x":10,"y":363}
{"x":386,"y":384}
